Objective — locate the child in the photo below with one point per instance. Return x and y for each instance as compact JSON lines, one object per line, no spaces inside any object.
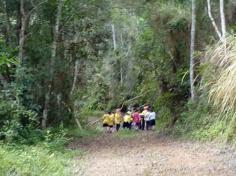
{"x":136,"y":119}
{"x":143,"y":116}
{"x":105,"y":122}
{"x":108,"y":121}
{"x":127,"y":121}
{"x":152,"y":116}
{"x":111,"y":121}
{"x":142,"y":122}
{"x":146,"y":120}
{"x":118,"y":119}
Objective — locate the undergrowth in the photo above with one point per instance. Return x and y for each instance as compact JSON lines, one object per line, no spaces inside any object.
{"x":37,"y":152}
{"x":46,"y":156}
{"x":202,"y":122}
{"x":33,"y":160}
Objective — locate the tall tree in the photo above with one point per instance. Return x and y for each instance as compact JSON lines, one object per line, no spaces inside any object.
{"x":221,"y":34}
{"x":23,"y":21}
{"x":52,"y":63}
{"x":223,"y":25}
{"x":222,"y":17}
{"x":192,"y":49}
{"x":25,"y":14}
{"x":113,"y":36}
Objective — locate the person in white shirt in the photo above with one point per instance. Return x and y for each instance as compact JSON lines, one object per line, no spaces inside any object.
{"x":147,"y":119}
{"x":152,"y":119}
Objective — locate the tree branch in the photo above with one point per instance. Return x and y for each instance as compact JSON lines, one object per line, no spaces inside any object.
{"x":139,"y":96}
{"x":212,"y":19}
{"x":35,"y":7}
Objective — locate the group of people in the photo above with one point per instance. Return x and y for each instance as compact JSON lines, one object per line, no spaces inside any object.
{"x":137,"y":118}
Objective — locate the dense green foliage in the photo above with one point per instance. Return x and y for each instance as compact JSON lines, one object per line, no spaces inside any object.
{"x":47,"y":157}
{"x":96,"y":66}
{"x":37,"y":160}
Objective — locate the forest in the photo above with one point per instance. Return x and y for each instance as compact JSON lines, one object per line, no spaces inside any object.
{"x":63,"y":63}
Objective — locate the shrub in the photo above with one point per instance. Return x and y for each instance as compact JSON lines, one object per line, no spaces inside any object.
{"x":17,"y":123}
{"x":222,"y":87}
{"x":33,"y":160}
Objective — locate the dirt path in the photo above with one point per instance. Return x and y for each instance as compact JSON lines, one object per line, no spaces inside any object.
{"x":150,"y":155}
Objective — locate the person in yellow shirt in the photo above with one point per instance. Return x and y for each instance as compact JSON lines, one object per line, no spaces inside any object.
{"x":127,"y":120}
{"x":111,"y":121}
{"x":108,"y":121}
{"x":118,"y":119}
{"x":105,"y":121}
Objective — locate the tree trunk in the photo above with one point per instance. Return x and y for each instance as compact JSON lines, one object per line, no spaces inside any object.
{"x":46,"y":108}
{"x":8,"y":24}
{"x":223,"y":25}
{"x":222,"y":17}
{"x":75,"y":110}
{"x":8,"y":38}
{"x":76,"y":71}
{"x":212,"y":20}
{"x":113,"y":36}
{"x":111,"y":90}
{"x":22,"y":30}
{"x":121,"y":73}
{"x":121,"y":61}
{"x":192,"y":48}
{"x":52,"y":63}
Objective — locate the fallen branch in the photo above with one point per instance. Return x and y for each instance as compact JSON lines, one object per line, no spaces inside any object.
{"x":93,"y":122}
{"x":78,"y":123}
{"x":137,"y":97}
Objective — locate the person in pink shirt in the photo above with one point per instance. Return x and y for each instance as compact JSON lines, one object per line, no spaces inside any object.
{"x":136,"y":119}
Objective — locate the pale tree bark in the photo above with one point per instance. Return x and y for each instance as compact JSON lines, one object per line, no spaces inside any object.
{"x":113,"y":36}
{"x":212,"y":20}
{"x":222,"y":17}
{"x":221,"y":34}
{"x":192,"y":49}
{"x":76,"y":71}
{"x":121,"y":73}
{"x":121,"y":62}
{"x":223,"y":24}
{"x":75,"y":110}
{"x":111,"y":92}
{"x":52,"y":63}
{"x":76,"y":68}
